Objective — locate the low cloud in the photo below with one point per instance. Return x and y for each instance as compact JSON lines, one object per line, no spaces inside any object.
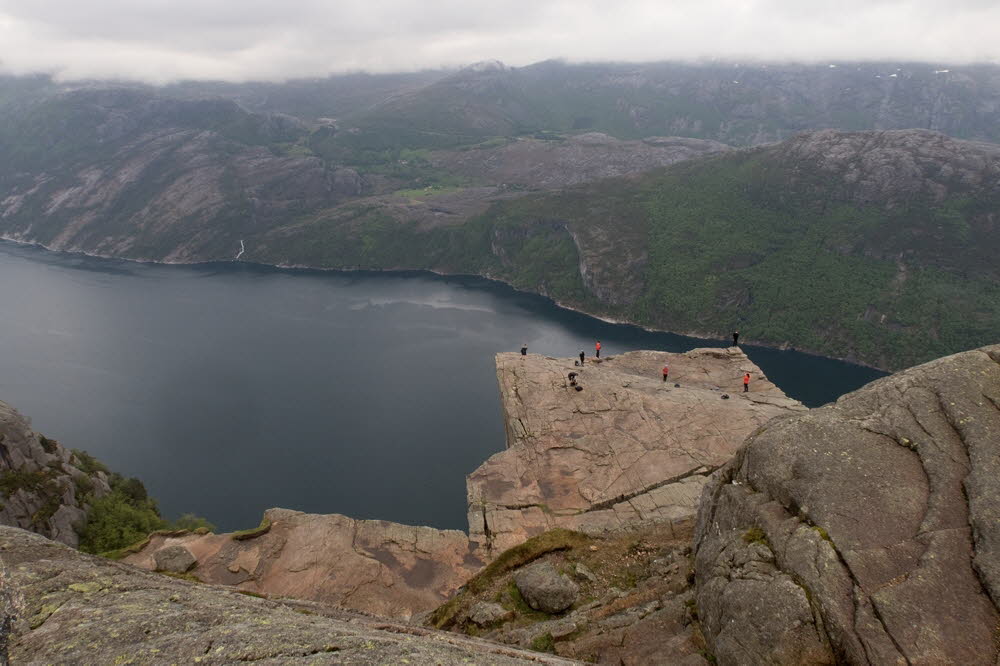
{"x":165,"y":40}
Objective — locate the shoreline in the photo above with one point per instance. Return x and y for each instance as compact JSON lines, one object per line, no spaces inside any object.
{"x":696,"y":335}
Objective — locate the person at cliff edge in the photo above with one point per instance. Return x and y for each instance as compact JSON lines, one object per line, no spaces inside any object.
{"x":666,"y":371}
{"x":746,"y":382}
{"x":597,"y":349}
{"x":736,"y":337}
{"x":581,"y":357}
{"x":524,"y":349}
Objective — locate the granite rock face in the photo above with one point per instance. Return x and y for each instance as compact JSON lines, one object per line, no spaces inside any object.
{"x":626,"y":450}
{"x":80,"y":609}
{"x":866,"y":531}
{"x":373,"y":566}
{"x":43,"y":486}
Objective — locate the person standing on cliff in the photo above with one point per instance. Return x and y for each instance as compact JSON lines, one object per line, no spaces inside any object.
{"x":666,"y":371}
{"x":597,"y":349}
{"x":524,"y":349}
{"x":581,"y":357}
{"x":736,"y":337}
{"x":746,"y":382}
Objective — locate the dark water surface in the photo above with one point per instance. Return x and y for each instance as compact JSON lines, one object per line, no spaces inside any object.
{"x":229,"y":389}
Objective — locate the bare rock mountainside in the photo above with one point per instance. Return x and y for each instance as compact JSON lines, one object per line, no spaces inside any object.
{"x":373,"y":566}
{"x":81,"y":609}
{"x":44,"y":487}
{"x":866,"y":531}
{"x":628,"y":449}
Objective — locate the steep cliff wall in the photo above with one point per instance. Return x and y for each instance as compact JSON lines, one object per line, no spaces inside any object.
{"x":627,"y":449}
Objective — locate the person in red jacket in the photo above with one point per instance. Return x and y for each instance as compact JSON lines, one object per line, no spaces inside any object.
{"x":746,"y":382}
{"x":666,"y":371}
{"x":597,"y":349}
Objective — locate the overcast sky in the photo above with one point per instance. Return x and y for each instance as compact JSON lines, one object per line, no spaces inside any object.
{"x":164,"y":40}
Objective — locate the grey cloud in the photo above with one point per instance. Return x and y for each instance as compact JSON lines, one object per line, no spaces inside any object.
{"x":162,"y":40}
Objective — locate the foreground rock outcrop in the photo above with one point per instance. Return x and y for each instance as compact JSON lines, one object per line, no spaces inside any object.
{"x":626,"y":450}
{"x":866,"y":531}
{"x":82,"y":609}
{"x":373,"y":566}
{"x":44,"y":487}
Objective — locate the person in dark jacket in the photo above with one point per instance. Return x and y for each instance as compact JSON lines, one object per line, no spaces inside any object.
{"x":736,"y":337}
{"x":582,"y":355}
{"x":524,"y":349}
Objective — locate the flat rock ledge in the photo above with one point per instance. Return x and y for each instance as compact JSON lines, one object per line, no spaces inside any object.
{"x":373,"y":566}
{"x":628,"y":449}
{"x":80,"y":609}
{"x":862,"y":532}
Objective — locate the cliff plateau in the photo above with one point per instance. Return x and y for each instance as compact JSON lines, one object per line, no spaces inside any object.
{"x":628,"y":449}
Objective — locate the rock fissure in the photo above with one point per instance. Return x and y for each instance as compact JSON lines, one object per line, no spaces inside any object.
{"x":607,"y":504}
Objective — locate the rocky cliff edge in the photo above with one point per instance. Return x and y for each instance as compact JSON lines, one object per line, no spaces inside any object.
{"x":373,"y":566}
{"x":44,"y":487}
{"x":628,"y":449}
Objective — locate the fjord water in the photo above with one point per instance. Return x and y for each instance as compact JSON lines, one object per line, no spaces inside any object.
{"x":231,"y":388}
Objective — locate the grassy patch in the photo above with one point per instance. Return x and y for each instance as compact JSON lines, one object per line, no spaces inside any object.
{"x":50,"y":445}
{"x":88,"y":463}
{"x":822,"y":533}
{"x":17,"y":479}
{"x":260,"y":530}
{"x":755,"y":535}
{"x":133,"y":548}
{"x":544,"y":643}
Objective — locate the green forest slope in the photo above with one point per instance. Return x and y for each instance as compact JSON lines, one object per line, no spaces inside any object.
{"x":875,"y":246}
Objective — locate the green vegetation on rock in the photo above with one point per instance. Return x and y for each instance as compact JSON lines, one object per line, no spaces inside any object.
{"x":260,"y":530}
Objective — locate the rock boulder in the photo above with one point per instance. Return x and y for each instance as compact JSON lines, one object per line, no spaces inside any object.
{"x":545,"y":589}
{"x":174,"y":559}
{"x":865,"y":531}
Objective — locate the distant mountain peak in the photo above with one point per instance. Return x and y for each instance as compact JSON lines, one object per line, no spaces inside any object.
{"x":486,"y":66}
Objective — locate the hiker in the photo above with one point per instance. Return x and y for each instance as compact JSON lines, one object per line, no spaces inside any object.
{"x":746,"y":382}
{"x":736,"y":337}
{"x":572,"y":379}
{"x":666,"y":371}
{"x":524,"y":349}
{"x":597,"y":349}
{"x":581,"y":357}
